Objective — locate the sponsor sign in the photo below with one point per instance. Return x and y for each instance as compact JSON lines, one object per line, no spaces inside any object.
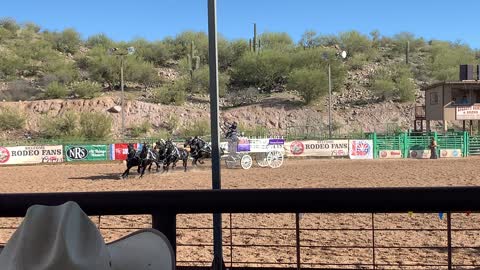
{"x":31,"y":154}
{"x":451,"y":153}
{"x":86,"y":152}
{"x":420,"y":154}
{"x":119,"y":151}
{"x":390,"y":154}
{"x":311,"y":148}
{"x":468,"y":112}
{"x":361,"y":149}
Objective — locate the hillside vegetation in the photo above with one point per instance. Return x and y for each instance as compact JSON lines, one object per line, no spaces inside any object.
{"x":39,"y":64}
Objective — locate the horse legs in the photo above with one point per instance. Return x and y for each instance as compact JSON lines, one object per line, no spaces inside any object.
{"x":127,"y":171}
{"x":185,"y":161}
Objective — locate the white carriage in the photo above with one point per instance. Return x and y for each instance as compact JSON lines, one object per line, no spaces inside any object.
{"x":267,"y":152}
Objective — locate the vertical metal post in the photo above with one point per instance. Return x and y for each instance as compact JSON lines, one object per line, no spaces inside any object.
{"x":214,"y":120}
{"x":329,"y":101}
{"x":122,"y":97}
{"x":167,"y":224}
{"x":297,"y":231}
{"x":373,"y":241}
{"x":449,"y":240}
{"x":231,"y":241}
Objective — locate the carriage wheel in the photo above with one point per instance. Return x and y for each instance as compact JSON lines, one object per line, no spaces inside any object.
{"x":261,"y":159}
{"x":246,"y":162}
{"x":230,"y":162}
{"x":275,"y":159}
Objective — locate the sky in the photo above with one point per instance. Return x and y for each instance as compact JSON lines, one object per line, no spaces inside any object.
{"x":155,"y":20}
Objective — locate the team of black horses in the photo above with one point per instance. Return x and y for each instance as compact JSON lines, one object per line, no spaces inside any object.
{"x":165,"y":153}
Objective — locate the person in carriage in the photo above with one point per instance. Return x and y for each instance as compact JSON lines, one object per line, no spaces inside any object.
{"x":231,"y":130}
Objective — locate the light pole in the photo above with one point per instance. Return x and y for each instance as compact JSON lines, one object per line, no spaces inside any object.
{"x":122,"y":54}
{"x":343,"y":54}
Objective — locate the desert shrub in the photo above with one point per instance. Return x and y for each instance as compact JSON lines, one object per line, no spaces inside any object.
{"x":86,"y":89}
{"x":10,"y":65}
{"x":60,"y":127}
{"x":171,"y":94}
{"x":19,"y":90}
{"x":67,"y":41}
{"x":200,"y":82}
{"x":400,"y":42}
{"x":56,"y":90}
{"x":357,"y":61}
{"x":243,"y":97}
{"x":264,"y":70}
{"x":9,"y":24}
{"x":383,"y":84}
{"x":275,"y":41}
{"x":172,"y":123}
{"x":140,"y":129}
{"x":196,"y":128}
{"x":310,"y":83}
{"x":11,"y":119}
{"x":445,"y":59}
{"x":396,"y":83}
{"x":95,"y":125}
{"x":99,"y":40}
{"x":354,"y":42}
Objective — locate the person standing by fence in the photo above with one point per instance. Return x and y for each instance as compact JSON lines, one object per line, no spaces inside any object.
{"x":433,"y":149}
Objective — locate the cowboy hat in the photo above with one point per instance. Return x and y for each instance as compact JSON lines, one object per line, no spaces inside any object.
{"x":63,"y":237}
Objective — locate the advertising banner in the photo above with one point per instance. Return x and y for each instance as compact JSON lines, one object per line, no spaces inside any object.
{"x":119,"y":151}
{"x":419,"y":154}
{"x":86,"y":152}
{"x":31,"y":154}
{"x":387,"y":154}
{"x":328,"y":148}
{"x":361,"y":149}
{"x":451,"y":153}
{"x":468,"y":112}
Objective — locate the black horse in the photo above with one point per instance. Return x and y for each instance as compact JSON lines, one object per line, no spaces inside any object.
{"x":160,"y":151}
{"x":142,"y":159}
{"x":199,"y":149}
{"x":173,"y":155}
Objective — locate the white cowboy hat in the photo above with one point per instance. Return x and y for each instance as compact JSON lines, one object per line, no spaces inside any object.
{"x":64,"y":238}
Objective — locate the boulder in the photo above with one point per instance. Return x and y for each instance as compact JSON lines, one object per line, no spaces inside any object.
{"x":115,"y":109}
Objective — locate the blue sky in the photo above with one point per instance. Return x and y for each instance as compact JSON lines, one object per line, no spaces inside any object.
{"x":154,"y":20}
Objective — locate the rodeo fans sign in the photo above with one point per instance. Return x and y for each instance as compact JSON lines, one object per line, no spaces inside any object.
{"x":329,"y":148}
{"x":31,"y":154}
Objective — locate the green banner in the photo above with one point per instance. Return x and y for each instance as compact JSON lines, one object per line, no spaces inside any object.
{"x":86,"y":152}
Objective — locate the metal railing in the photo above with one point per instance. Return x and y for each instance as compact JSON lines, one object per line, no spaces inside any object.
{"x":165,"y":205}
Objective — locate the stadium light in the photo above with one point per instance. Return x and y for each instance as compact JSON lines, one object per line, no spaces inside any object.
{"x":122,"y":54}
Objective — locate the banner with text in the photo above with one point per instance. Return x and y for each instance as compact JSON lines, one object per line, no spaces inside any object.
{"x":387,"y":154}
{"x":361,"y":149}
{"x":86,"y":152}
{"x":31,"y":154}
{"x":420,"y":154}
{"x":468,"y":112}
{"x":327,"y":148}
{"x":451,"y":153}
{"x":119,"y":151}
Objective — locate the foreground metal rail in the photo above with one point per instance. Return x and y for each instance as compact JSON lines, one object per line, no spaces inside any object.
{"x":165,"y":205}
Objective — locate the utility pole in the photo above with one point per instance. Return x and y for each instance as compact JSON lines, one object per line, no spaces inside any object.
{"x":117,"y":52}
{"x":214,"y":121}
{"x":329,"y":101}
{"x":123,"y":95}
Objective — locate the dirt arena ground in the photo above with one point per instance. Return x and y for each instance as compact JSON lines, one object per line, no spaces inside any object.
{"x":356,"y":242}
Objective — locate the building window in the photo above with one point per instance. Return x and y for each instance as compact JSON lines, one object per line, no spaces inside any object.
{"x":434,"y":98}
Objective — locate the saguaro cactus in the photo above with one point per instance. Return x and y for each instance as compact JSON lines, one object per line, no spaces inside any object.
{"x":193,"y":60}
{"x":407,"y":52}
{"x":254,"y":37}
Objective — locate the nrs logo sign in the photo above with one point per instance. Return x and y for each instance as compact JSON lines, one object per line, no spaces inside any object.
{"x":77,"y":153}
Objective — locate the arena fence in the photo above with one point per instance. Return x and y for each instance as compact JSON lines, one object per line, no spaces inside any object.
{"x":439,"y":248}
